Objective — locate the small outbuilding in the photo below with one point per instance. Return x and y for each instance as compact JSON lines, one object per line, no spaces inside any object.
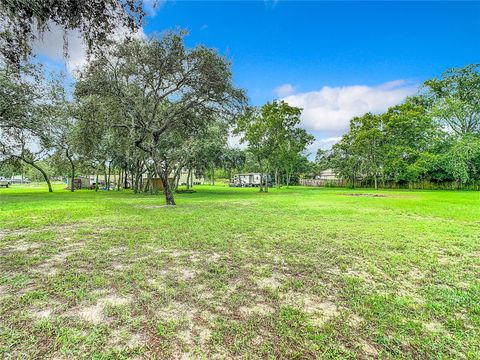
{"x":80,"y":182}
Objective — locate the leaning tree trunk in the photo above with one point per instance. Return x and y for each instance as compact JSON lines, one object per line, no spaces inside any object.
{"x":163,"y":172}
{"x":176,"y":178}
{"x":45,"y":176}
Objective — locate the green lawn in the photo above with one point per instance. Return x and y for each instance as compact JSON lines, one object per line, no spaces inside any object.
{"x":296,"y":273}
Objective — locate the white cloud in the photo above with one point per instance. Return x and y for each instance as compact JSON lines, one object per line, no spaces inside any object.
{"x":284,"y":90}
{"x":330,"y":109}
{"x":51,"y":45}
{"x":151,"y":7}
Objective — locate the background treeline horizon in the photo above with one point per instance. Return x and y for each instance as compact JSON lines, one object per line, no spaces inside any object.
{"x":151,"y":107}
{"x":432,"y":139}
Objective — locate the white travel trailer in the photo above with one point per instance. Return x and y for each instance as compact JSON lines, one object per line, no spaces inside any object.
{"x":248,"y":180}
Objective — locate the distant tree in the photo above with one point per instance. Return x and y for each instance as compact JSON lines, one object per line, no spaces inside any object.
{"x":462,"y":160}
{"x":254,"y":132}
{"x":322,"y":160}
{"x":23,"y":135}
{"x":24,"y":20}
{"x":273,"y":137}
{"x":233,"y":159}
{"x":368,"y":145}
{"x":59,"y":124}
{"x":292,"y":147}
{"x":456,"y":98}
{"x":410,"y":134}
{"x":344,"y":159}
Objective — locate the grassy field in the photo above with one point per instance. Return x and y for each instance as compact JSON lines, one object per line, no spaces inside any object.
{"x":296,"y":273}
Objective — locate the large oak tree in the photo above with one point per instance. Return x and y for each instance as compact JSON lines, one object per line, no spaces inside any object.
{"x":164,"y":93}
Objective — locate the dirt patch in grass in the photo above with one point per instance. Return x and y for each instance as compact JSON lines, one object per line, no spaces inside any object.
{"x":321,"y":309}
{"x":52,"y":265}
{"x":272,"y":282}
{"x":368,"y":349}
{"x":256,"y":309}
{"x":365,"y":195}
{"x":42,"y":314}
{"x":57,"y":229}
{"x":95,"y":313}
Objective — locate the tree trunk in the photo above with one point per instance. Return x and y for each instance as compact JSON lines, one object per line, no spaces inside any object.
{"x":96,"y":181}
{"x":375,"y":181}
{"x":119,"y":179}
{"x":72,"y":188}
{"x":167,"y":191}
{"x":45,"y":176}
{"x":108,"y":179}
{"x":176,"y":179}
{"x":137,"y":184}
{"x":189,"y":174}
{"x":261,"y":181}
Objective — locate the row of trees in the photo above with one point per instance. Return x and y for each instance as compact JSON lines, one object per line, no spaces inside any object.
{"x":433,"y":136}
{"x":141,"y":107}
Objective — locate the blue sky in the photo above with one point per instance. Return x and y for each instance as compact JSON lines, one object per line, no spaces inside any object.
{"x":314,"y":43}
{"x":334,"y":59}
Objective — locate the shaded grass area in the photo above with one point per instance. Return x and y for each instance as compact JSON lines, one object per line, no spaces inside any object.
{"x":296,"y":273}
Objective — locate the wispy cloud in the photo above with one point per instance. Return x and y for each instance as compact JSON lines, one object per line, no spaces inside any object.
{"x":270,"y":4}
{"x":284,"y":90}
{"x":151,"y":6}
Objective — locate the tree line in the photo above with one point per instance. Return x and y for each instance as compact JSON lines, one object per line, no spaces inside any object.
{"x":151,"y":107}
{"x":433,"y":137}
{"x":141,"y":108}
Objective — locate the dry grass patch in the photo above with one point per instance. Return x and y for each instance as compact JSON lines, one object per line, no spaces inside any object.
{"x":95,"y":313}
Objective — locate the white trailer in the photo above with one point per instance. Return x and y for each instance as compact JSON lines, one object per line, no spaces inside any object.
{"x":248,"y":180}
{"x":4,"y":182}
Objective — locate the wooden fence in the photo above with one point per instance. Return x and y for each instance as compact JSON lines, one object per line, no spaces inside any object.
{"x":420,"y":185}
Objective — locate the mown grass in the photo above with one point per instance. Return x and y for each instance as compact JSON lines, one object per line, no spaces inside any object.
{"x":295,"y":273}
